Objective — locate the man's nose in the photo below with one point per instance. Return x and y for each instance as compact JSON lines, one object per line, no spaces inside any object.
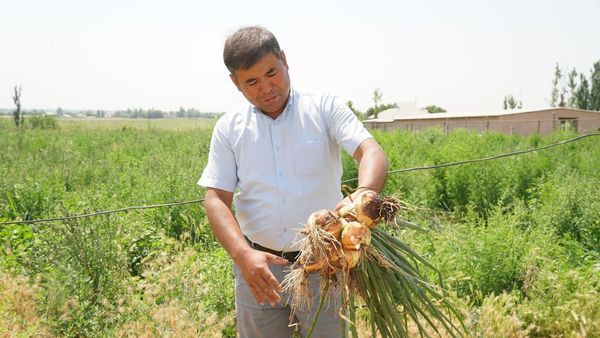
{"x":266,"y":87}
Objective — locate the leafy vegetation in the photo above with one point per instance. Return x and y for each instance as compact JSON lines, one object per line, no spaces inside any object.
{"x":433,"y":109}
{"x":517,"y":239}
{"x":566,"y":92}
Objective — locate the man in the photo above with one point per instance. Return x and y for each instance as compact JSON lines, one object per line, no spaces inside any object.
{"x":281,"y":153}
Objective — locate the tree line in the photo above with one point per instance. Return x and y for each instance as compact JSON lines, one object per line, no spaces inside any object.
{"x":576,"y":90}
{"x":572,"y":90}
{"x":158,"y":114}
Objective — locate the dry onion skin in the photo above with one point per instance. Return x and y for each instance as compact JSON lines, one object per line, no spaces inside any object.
{"x":354,"y":234}
{"x":370,"y":209}
{"x":334,"y":242}
{"x":368,"y":265}
{"x":327,"y":220}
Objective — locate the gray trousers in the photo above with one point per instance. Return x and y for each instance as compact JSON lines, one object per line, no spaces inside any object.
{"x":255,"y":320}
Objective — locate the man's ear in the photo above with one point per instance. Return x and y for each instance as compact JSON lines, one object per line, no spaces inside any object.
{"x":284,"y":60}
{"x":235,"y":81}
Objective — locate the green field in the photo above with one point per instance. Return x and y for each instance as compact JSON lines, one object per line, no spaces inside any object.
{"x":172,"y":124}
{"x":517,"y":239}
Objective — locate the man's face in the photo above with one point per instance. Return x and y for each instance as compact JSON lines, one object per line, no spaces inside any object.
{"x":266,"y":84}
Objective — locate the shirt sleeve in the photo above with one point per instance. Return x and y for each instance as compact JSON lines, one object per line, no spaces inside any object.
{"x":345,"y":127}
{"x":221,"y":169}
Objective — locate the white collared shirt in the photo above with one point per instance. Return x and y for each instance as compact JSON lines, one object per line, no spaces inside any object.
{"x":283,"y":169}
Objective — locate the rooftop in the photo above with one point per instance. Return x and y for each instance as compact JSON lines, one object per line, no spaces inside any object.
{"x":397,"y":114}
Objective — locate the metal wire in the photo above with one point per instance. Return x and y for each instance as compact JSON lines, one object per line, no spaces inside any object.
{"x":449,"y":164}
{"x":437,"y":166}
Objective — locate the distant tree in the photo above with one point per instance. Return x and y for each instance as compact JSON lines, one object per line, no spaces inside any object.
{"x":376,"y":108}
{"x":561,"y":102}
{"x":510,"y":102}
{"x":60,"y":111}
{"x":377,"y":95}
{"x":154,"y":114}
{"x":572,"y":84}
{"x":356,"y":112}
{"x":181,"y":112}
{"x":582,"y":95}
{"x":554,"y":98}
{"x":17,"y":114}
{"x":374,"y":111}
{"x":595,"y":87}
{"x":435,"y":109}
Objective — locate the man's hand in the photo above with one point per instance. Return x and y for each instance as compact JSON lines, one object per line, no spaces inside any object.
{"x":254,"y":266}
{"x":350,"y":198}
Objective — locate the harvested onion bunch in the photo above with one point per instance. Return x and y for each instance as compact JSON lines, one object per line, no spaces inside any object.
{"x":358,"y":259}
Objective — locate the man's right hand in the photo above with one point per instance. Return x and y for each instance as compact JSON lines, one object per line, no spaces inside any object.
{"x":254,"y":266}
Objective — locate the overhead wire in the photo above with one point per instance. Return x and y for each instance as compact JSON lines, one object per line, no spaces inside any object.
{"x":437,"y":166}
{"x":450,"y":164}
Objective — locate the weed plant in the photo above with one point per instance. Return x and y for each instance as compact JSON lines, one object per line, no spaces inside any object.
{"x":517,"y":239}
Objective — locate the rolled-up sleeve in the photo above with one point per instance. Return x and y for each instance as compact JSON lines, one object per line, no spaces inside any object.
{"x":221,"y":169}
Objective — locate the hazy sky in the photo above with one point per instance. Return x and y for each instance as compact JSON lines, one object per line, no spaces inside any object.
{"x":461,"y":55}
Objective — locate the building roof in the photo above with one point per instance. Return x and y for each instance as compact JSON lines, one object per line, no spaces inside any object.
{"x":394,"y":114}
{"x":403,"y":109}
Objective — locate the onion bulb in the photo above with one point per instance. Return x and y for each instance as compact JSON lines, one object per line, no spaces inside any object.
{"x":354,"y":234}
{"x":368,"y":208}
{"x":326,"y":220}
{"x":351,"y":258}
{"x":339,"y":258}
{"x":312,"y":266}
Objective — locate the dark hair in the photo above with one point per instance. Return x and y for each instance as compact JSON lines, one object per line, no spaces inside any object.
{"x":247,"y":46}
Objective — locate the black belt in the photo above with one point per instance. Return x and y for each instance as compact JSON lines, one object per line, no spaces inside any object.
{"x":290,"y":255}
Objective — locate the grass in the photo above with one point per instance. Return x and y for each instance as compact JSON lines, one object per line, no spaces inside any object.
{"x":171,"y":124}
{"x":516,"y":239}
{"x":19,"y":316}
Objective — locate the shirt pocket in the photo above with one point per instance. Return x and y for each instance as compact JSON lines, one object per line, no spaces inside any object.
{"x":310,"y":157}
